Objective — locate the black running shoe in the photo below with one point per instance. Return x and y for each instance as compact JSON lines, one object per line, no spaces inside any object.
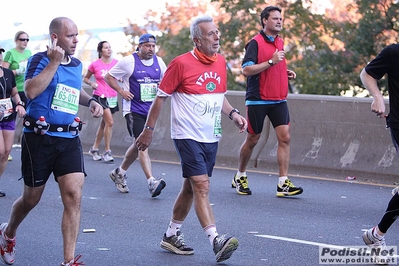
{"x":241,"y":185}
{"x":288,"y":189}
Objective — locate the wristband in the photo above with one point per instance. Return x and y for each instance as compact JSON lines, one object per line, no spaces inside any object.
{"x":91,"y":99}
{"x":149,"y":128}
{"x":233,"y":111}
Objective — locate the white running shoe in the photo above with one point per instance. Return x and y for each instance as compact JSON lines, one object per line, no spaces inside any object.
{"x":96,"y":155}
{"x":108,"y":157}
{"x":119,"y":180}
{"x":176,"y":244}
{"x":156,"y":186}
{"x":7,"y":246}
{"x":377,"y":244}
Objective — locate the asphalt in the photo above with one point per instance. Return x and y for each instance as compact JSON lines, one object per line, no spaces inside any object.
{"x":129,"y":227}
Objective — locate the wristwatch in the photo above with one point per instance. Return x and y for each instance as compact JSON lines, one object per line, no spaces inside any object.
{"x":270,"y":62}
{"x":21,"y":103}
{"x":233,"y":111}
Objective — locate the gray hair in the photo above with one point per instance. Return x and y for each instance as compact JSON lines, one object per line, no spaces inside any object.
{"x":195,"y":31}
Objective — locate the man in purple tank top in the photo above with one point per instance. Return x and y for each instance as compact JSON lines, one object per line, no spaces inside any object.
{"x":141,"y":72}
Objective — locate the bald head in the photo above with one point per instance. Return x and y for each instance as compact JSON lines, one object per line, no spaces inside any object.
{"x":63,"y":33}
{"x":56,"y":24}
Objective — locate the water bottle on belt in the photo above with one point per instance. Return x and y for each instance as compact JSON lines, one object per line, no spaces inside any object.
{"x":75,"y":126}
{"x":41,"y":126}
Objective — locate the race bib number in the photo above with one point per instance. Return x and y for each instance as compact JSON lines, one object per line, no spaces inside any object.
{"x":217,"y":129}
{"x":7,"y":105}
{"x":112,"y":102}
{"x":148,"y":91}
{"x":66,"y":99}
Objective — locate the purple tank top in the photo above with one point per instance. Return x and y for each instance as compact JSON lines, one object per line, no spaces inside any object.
{"x":143,"y":84}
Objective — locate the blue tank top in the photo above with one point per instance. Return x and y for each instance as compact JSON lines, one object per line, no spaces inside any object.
{"x":58,"y":103}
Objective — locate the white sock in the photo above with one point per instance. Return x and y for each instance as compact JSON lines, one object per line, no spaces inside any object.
{"x":173,"y":227}
{"x":8,"y":238}
{"x":240,"y":174}
{"x":149,"y":180}
{"x":211,"y":232}
{"x":281,"y":180}
{"x":121,"y":171}
{"x":376,"y":234}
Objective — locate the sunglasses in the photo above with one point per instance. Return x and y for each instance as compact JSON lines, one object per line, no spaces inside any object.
{"x":22,"y":40}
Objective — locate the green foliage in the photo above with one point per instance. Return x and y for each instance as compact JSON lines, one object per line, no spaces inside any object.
{"x":310,"y":37}
{"x":326,"y":52}
{"x":175,"y":44}
{"x":240,"y":28}
{"x":324,"y":72}
{"x":374,"y":31}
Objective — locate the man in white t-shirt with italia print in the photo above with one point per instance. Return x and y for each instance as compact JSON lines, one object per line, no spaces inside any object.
{"x":196,"y":82}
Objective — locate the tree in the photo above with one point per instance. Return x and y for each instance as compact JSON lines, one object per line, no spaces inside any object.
{"x":327,"y":50}
{"x":377,"y":27}
{"x":174,"y":27}
{"x":321,"y":68}
{"x":238,"y":22}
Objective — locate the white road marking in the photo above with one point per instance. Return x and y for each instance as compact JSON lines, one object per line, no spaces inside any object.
{"x":307,"y":242}
{"x":300,"y":241}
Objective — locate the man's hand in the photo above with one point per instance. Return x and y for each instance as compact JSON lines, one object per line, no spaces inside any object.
{"x":144,"y":140}
{"x":378,"y":106}
{"x":96,"y":109}
{"x":240,"y":122}
{"x":127,"y":95}
{"x":278,"y":56}
{"x":55,"y":53}
{"x":291,"y":74}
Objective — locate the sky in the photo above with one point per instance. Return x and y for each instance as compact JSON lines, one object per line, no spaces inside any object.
{"x":30,"y":17}
{"x":34,"y":16}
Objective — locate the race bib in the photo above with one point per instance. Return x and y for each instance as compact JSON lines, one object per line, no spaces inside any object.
{"x":112,"y":102}
{"x":217,"y":129}
{"x":66,"y":99}
{"x":7,"y":105}
{"x":148,"y":91}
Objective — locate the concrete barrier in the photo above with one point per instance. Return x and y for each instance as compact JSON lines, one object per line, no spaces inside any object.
{"x":328,"y":134}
